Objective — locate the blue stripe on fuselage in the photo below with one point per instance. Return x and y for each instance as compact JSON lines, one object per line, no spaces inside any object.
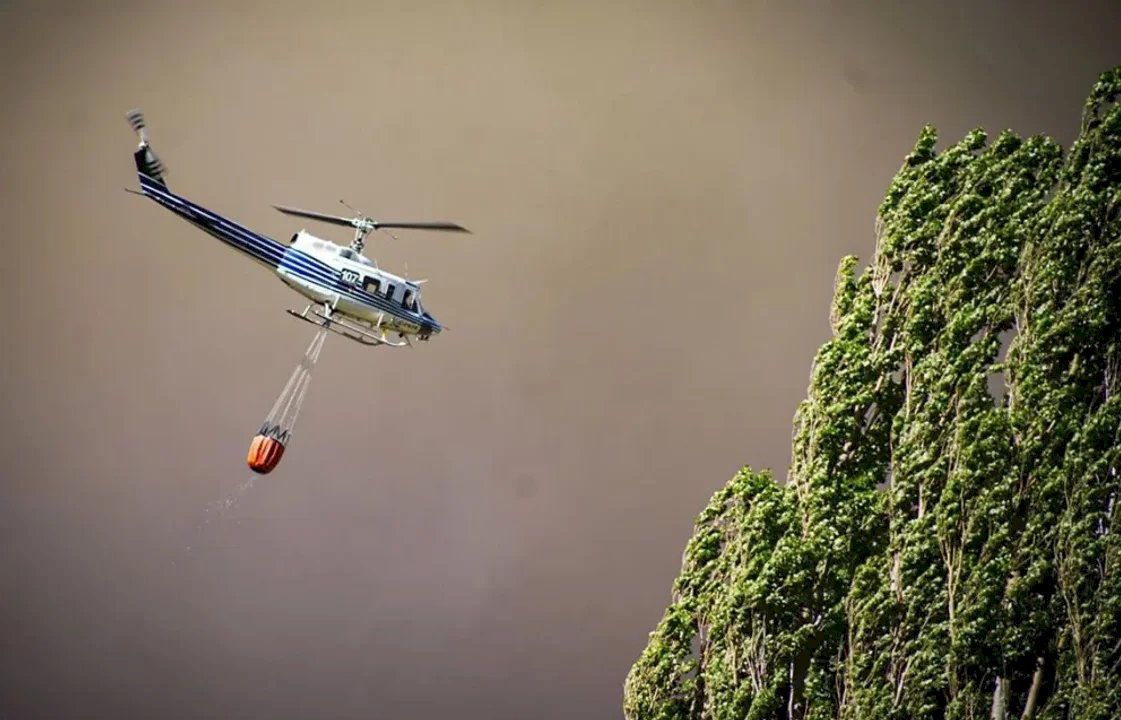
{"x":261,"y":248}
{"x":274,"y":254}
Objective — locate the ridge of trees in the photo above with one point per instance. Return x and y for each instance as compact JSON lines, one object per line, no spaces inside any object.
{"x":946,"y":545}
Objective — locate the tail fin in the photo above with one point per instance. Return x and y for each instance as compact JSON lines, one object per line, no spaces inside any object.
{"x":147,"y":164}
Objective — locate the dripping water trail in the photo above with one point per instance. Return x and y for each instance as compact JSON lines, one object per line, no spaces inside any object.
{"x":278,"y":424}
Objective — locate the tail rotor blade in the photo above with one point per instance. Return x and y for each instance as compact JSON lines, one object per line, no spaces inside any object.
{"x":136,"y":120}
{"x":153,"y":166}
{"x":156,"y":164}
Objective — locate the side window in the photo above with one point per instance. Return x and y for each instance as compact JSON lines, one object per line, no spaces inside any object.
{"x":391,"y":291}
{"x":371,"y":285}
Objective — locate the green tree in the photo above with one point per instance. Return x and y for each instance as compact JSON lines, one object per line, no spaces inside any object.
{"x":945,"y":545}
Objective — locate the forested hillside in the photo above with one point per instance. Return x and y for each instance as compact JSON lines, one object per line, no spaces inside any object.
{"x":946,"y":543}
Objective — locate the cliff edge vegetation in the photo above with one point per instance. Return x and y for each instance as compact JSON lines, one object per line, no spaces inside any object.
{"x":946,"y":544}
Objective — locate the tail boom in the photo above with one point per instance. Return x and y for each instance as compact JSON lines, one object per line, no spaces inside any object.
{"x":261,"y":248}
{"x":151,"y":172}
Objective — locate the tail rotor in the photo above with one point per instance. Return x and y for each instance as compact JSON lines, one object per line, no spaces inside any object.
{"x":136,"y":120}
{"x":147,"y":162}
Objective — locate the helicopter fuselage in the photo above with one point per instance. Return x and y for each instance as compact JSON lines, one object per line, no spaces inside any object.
{"x":322,"y":271}
{"x":355,"y":286}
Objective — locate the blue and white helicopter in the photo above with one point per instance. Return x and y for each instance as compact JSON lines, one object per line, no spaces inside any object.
{"x":359,"y":300}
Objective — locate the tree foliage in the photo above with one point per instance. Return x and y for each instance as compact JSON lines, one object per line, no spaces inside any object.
{"x":946,"y":545}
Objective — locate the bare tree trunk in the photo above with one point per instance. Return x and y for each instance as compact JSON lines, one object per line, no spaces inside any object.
{"x":796,"y":703}
{"x":1033,"y":693}
{"x":1000,"y":698}
{"x":793,"y":702}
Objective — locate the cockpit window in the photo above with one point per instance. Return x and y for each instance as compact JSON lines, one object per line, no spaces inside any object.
{"x":410,"y":300}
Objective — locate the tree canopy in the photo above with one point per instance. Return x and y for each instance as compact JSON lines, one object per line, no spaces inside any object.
{"x":945,"y":545}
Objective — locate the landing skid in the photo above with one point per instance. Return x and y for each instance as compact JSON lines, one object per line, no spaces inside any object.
{"x":364,"y":335}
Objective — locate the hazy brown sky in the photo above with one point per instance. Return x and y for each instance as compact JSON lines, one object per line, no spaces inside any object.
{"x":487,"y":525}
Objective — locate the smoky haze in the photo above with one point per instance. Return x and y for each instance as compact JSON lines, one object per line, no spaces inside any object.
{"x":486,"y":526}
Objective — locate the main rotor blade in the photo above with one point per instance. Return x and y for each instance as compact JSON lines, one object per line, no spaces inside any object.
{"x":361,"y":222}
{"x":336,"y":219}
{"x":421,"y":226}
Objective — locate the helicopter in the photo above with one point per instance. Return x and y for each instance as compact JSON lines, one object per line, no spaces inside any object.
{"x":348,"y":293}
